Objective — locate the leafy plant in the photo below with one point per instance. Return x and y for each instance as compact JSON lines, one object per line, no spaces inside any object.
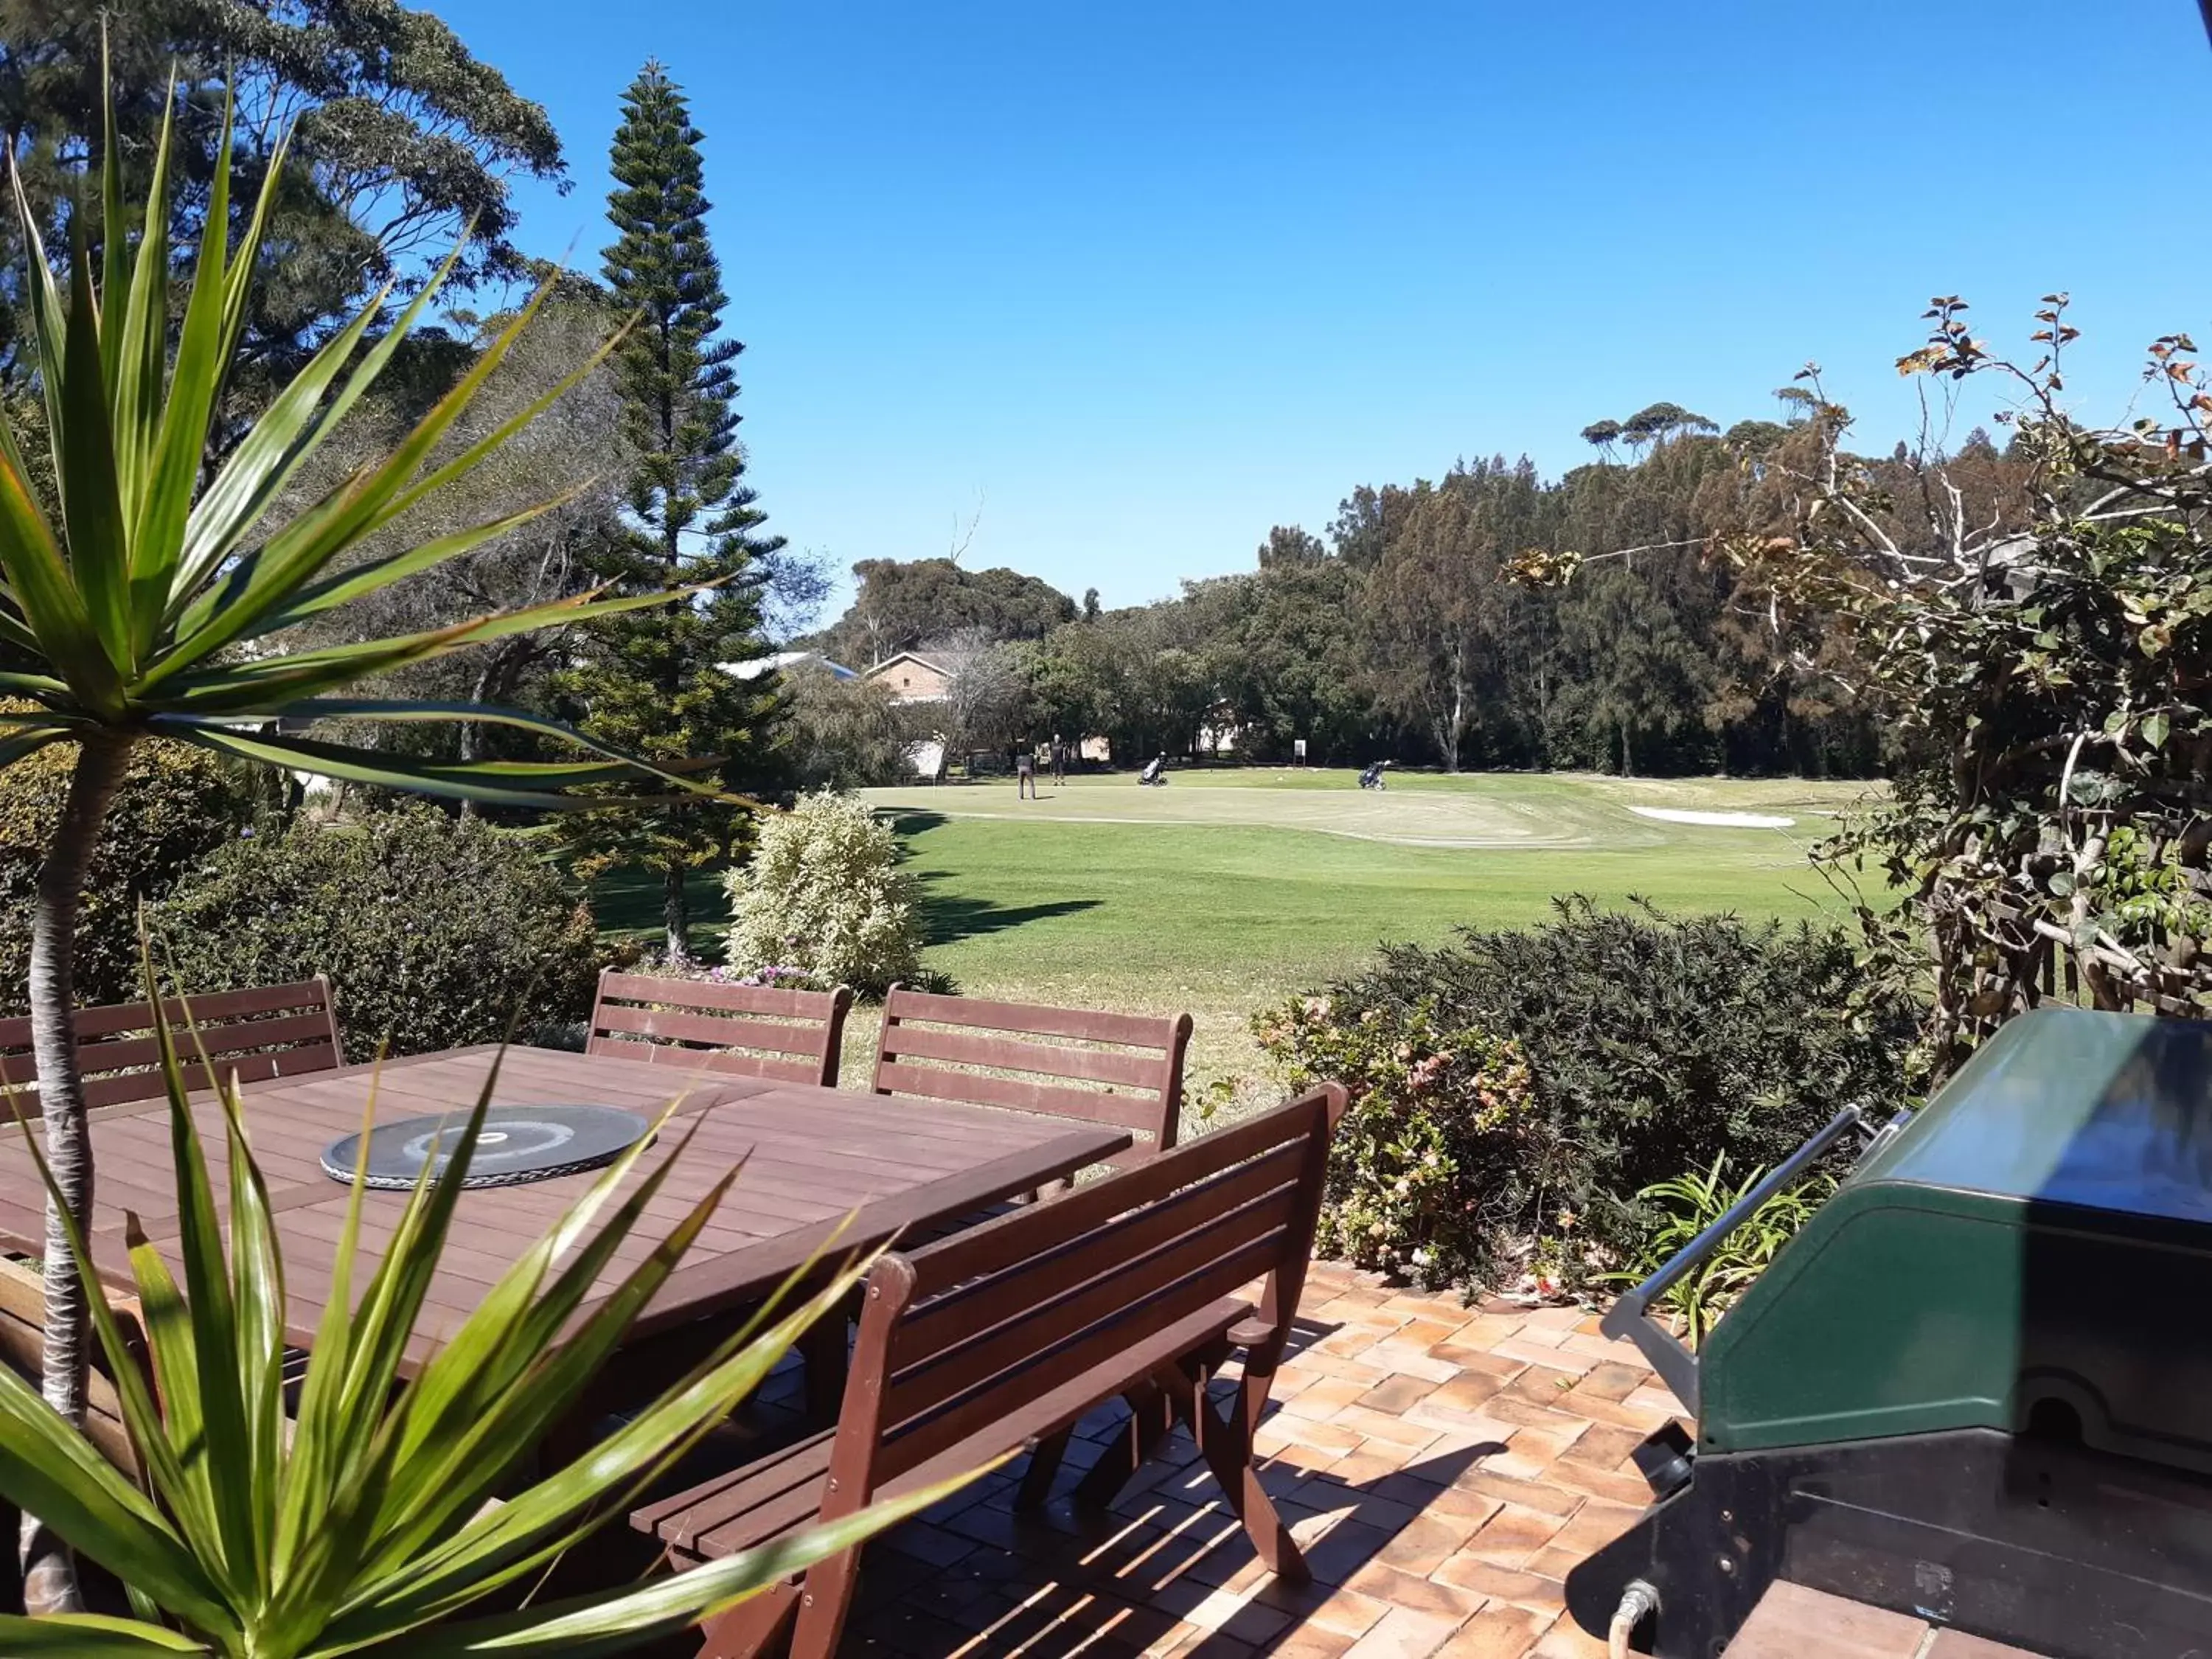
{"x":824,"y":893}
{"x":367,"y":1523}
{"x":1687,"y":1205}
{"x":1645,"y":1043}
{"x":2040,"y":669}
{"x":435,"y":931}
{"x":174,"y":806}
{"x":140,"y":603}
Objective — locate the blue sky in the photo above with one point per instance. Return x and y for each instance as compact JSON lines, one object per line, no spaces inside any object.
{"x":1143,"y":280}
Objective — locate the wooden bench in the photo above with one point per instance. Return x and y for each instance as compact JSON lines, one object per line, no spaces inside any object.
{"x":794,"y":1037}
{"x":1003,"y":1337}
{"x":268,"y":1031}
{"x":1128,"y":1075}
{"x":23,"y":1342}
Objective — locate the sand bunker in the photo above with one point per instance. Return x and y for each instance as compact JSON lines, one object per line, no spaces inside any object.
{"x":1723,"y":820}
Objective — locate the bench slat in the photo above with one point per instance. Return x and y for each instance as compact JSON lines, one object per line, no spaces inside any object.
{"x":1018,"y":1095}
{"x":722,"y":1031}
{"x":1008,"y":1054}
{"x":1036,"y":1020}
{"x":705,"y":993}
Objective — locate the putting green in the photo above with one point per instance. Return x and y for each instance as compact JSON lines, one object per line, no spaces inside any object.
{"x":1493,"y":810}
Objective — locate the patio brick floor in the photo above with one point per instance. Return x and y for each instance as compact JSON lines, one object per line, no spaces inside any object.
{"x":1442,"y":1467}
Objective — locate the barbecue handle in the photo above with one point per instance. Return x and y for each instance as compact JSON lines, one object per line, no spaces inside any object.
{"x":1676,"y":1365}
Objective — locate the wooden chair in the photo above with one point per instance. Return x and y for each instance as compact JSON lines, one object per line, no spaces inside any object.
{"x":1005,"y":1336}
{"x":752,"y":1030}
{"x":956,"y":1049}
{"x":22,"y":1338}
{"x":278,"y":1030}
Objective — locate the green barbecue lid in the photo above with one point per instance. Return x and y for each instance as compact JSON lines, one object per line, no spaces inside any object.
{"x":2104,"y":1111}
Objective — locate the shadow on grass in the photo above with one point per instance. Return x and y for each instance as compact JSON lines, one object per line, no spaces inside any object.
{"x":947,"y":918}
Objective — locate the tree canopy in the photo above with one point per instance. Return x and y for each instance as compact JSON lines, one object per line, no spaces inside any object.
{"x":900,"y":606}
{"x":399,"y":139}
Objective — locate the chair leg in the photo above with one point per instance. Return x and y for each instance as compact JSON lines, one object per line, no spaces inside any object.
{"x":751,"y":1627}
{"x":1152,"y":1416}
{"x":825,"y":1597}
{"x":1044,"y":1463}
{"x":1226,"y":1444}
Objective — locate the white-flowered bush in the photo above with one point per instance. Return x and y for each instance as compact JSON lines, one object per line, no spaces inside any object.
{"x":824,"y":894}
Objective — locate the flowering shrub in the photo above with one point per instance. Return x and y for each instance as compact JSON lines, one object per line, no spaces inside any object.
{"x":1434,"y":1111}
{"x":777,"y":977}
{"x":823,"y":897}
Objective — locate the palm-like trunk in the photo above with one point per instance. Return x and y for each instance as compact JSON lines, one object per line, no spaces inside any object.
{"x":49,"y":1573}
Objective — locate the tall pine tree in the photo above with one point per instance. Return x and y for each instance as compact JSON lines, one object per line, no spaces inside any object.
{"x":653,"y":681}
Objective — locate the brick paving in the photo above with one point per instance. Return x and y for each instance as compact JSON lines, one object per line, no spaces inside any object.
{"x":1441,"y":1465}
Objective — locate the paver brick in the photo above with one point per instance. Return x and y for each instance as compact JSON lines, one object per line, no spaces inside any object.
{"x":1405,"y":1633}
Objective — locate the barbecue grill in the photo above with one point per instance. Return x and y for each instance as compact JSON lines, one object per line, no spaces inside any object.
{"x":1976,"y":1388}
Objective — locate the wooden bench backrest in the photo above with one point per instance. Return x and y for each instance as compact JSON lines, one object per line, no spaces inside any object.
{"x":22,"y":1337}
{"x":959,"y":1338}
{"x":986,"y":1053}
{"x":268,"y":1031}
{"x":752,"y":1030}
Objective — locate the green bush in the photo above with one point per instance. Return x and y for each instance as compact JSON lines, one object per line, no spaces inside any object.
{"x":1684,"y":1207}
{"x":435,"y":930}
{"x":175,"y":806}
{"x":823,"y":894}
{"x":1653,"y":1044}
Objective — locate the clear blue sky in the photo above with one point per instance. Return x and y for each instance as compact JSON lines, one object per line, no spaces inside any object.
{"x":1148,"y":278}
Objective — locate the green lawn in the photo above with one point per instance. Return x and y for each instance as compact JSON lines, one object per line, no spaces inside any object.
{"x":1228,"y":889}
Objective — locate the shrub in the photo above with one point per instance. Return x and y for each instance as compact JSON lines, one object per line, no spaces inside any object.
{"x":1652,"y":1045}
{"x":824,"y":895}
{"x":175,"y":806}
{"x":436,"y":931}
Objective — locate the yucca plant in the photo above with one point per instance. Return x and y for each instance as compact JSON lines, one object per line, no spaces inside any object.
{"x":142,"y":602}
{"x":365,"y":1524}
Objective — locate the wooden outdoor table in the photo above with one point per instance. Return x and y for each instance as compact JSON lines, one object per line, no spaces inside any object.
{"x":810,"y":1155}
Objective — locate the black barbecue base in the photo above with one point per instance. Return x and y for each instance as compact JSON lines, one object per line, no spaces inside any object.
{"x":2047,"y":1545}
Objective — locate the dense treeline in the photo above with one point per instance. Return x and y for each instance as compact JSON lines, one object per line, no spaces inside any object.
{"x":1407,"y":632}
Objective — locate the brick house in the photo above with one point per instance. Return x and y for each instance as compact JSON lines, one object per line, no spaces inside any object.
{"x":912,"y":678}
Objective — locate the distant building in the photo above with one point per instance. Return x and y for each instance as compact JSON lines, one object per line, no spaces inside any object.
{"x":753,"y":667}
{"x":912,"y":678}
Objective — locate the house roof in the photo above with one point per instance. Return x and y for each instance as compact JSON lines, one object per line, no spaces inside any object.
{"x":914,"y":657}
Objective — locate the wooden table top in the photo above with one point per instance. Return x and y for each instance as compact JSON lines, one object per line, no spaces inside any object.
{"x":810,"y":1155}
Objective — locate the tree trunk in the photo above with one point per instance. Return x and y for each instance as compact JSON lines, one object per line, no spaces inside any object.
{"x":50,"y":1583}
{"x":675,"y":914}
